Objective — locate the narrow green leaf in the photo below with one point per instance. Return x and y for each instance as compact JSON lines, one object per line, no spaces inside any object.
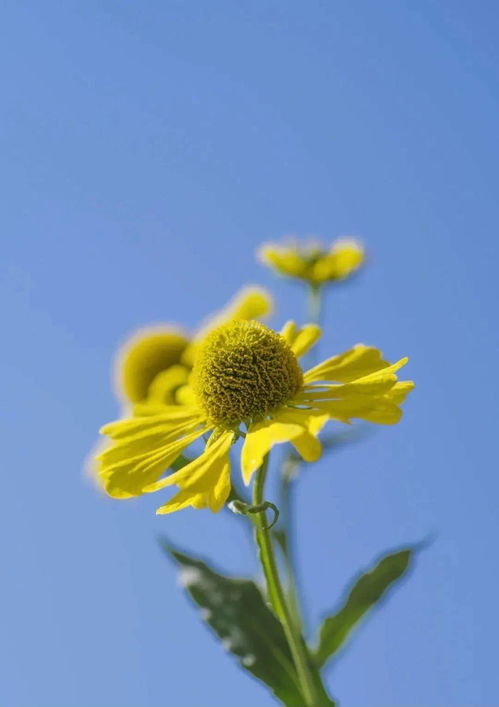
{"x":367,"y":591}
{"x":236,"y":611}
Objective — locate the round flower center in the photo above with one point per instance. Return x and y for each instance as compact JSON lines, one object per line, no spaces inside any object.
{"x":243,"y":371}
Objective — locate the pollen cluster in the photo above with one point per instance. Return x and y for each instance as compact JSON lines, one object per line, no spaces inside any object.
{"x":244,"y":371}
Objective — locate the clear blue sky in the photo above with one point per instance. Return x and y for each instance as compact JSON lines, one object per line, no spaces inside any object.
{"x":147,"y":149}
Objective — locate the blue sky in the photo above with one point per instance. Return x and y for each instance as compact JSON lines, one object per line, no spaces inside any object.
{"x":147,"y":150}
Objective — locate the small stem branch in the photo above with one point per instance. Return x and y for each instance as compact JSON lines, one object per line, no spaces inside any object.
{"x":276,"y":593}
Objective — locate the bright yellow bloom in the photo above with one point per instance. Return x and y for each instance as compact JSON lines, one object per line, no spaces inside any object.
{"x":246,"y":375}
{"x":311,"y":263}
{"x":155,"y":362}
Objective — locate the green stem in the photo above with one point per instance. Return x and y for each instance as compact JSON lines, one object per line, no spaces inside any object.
{"x":314,"y":308}
{"x":286,"y":534}
{"x":277,"y":596}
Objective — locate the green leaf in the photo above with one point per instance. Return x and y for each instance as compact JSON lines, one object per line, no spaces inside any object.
{"x":236,"y":611}
{"x":367,"y":591}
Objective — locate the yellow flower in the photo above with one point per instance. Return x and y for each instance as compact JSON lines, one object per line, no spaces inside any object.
{"x":148,"y":353}
{"x":246,"y":376}
{"x":311,"y":263}
{"x":155,"y":362}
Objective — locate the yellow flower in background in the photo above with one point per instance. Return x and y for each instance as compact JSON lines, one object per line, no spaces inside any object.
{"x":311,"y":263}
{"x":149,"y":352}
{"x":155,"y":361}
{"x":246,"y":382}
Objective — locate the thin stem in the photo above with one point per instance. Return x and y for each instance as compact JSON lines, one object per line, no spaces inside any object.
{"x":277,"y":596}
{"x":286,"y":540}
{"x":314,"y":308}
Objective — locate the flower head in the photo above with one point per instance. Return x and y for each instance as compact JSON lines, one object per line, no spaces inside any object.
{"x":243,"y":372}
{"x":246,"y":381}
{"x":311,"y":262}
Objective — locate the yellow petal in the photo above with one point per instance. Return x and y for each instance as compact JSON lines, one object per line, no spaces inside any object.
{"x":345,"y":256}
{"x":141,"y":440}
{"x":221,"y":490}
{"x":205,"y":481}
{"x":356,"y":362}
{"x":147,"y":353}
{"x":165,"y":385}
{"x":300,"y":340}
{"x":144,"y":441}
{"x":201,"y":472}
{"x":128,"y":465}
{"x":170,"y":417}
{"x":362,"y":386}
{"x":306,"y":444}
{"x":185,"y":396}
{"x":249,"y":303}
{"x":400,"y":390}
{"x":305,"y":339}
{"x":260,"y":439}
{"x":288,"y":332}
{"x":181,"y":500}
{"x":292,"y":426}
{"x":371,"y":391}
{"x":286,"y":260}
{"x":146,"y":409}
{"x":311,"y":420}
{"x":388,"y":370}
{"x":381,"y":410}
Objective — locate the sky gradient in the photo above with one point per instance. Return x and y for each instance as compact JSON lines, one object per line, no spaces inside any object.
{"x":147,"y":150}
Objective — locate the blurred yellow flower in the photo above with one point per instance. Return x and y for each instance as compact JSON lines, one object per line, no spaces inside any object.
{"x":245,"y":375}
{"x":148,"y":353}
{"x":311,"y":263}
{"x":155,"y":361}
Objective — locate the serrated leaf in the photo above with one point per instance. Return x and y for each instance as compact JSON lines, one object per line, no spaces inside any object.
{"x":367,"y":591}
{"x":236,"y":611}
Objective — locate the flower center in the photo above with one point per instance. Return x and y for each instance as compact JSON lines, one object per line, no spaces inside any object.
{"x":243,"y":371}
